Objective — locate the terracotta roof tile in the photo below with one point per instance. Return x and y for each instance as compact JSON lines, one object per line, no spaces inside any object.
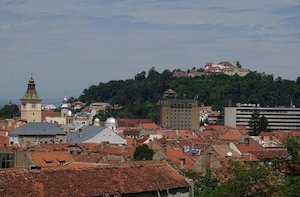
{"x":96,"y":181}
{"x":271,"y":153}
{"x":4,"y":141}
{"x":149,"y":126}
{"x":247,"y":149}
{"x":46,"y":159}
{"x":128,"y":122}
{"x":50,"y":113}
{"x":233,"y":135}
{"x":180,"y":134}
{"x":175,"y":155}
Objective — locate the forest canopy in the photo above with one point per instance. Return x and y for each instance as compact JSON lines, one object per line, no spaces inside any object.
{"x":139,"y":96}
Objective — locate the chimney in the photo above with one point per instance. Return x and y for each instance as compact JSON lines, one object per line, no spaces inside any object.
{"x":182,"y":163}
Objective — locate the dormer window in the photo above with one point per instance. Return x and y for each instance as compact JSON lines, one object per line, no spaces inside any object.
{"x":61,"y":161}
{"x":48,"y":161}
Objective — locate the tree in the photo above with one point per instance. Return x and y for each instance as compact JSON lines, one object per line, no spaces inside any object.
{"x":254,"y":123}
{"x":257,"y":123}
{"x":293,"y":147}
{"x":263,"y":123}
{"x":10,"y":111}
{"x":212,"y":89}
{"x":143,"y":152}
{"x":291,"y":187}
{"x":203,"y":184}
{"x":245,"y":180}
{"x":152,"y":73}
{"x":238,"y":64}
{"x":140,"y":76}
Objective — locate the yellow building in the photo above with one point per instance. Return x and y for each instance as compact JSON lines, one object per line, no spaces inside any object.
{"x":180,"y":114}
{"x":31,"y":107}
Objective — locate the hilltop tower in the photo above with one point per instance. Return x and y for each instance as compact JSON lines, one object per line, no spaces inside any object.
{"x":31,"y":107}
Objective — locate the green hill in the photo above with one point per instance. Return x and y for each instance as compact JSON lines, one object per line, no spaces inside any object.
{"x":140,"y":95}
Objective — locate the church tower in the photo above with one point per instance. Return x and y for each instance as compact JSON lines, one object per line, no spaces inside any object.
{"x":31,"y":108}
{"x":64,"y":108}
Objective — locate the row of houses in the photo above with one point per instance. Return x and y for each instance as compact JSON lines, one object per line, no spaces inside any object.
{"x":175,"y":151}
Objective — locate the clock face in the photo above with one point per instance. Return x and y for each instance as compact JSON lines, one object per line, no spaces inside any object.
{"x":33,"y":96}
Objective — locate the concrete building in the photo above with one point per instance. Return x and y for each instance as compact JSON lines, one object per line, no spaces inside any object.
{"x":279,"y":118}
{"x":31,"y":107}
{"x":180,"y":114}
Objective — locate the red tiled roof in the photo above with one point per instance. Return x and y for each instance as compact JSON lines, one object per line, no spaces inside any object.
{"x":180,"y":134}
{"x":46,"y":159}
{"x":97,"y":181}
{"x":86,"y":158}
{"x":282,"y":136}
{"x":131,"y":142}
{"x":226,"y":63}
{"x":111,"y":149}
{"x":271,"y":153}
{"x":247,"y":149}
{"x":50,"y":113}
{"x":4,"y":140}
{"x":129,"y":122}
{"x":175,"y":155}
{"x":233,"y":135}
{"x":217,"y":127}
{"x":149,"y":125}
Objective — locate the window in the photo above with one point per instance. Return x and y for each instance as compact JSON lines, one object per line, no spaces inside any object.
{"x":48,"y":160}
{"x":61,"y":161}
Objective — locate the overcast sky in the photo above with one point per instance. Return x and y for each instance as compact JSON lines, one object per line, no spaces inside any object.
{"x":69,"y":45}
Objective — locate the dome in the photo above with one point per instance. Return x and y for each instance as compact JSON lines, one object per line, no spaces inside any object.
{"x":96,"y":120}
{"x":70,"y":113}
{"x":111,"y":123}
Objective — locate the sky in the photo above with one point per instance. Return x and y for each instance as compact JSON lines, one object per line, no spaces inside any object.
{"x":70,"y":45}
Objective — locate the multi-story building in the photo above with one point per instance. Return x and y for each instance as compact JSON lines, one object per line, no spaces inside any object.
{"x":31,"y":108}
{"x":180,"y":114}
{"x":279,"y":118}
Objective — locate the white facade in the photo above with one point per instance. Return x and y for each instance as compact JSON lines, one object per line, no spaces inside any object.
{"x":279,"y":118}
{"x":107,"y":135}
{"x":14,"y":140}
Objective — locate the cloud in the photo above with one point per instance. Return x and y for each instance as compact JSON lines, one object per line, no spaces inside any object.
{"x":72,"y":44}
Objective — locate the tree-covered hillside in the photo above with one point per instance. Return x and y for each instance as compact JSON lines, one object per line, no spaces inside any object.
{"x":140,"y":95}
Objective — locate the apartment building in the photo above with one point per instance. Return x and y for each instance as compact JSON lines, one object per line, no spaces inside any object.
{"x":279,"y":118}
{"x":180,"y":114}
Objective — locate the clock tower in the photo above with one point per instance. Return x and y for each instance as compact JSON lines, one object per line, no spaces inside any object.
{"x":31,"y":108}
